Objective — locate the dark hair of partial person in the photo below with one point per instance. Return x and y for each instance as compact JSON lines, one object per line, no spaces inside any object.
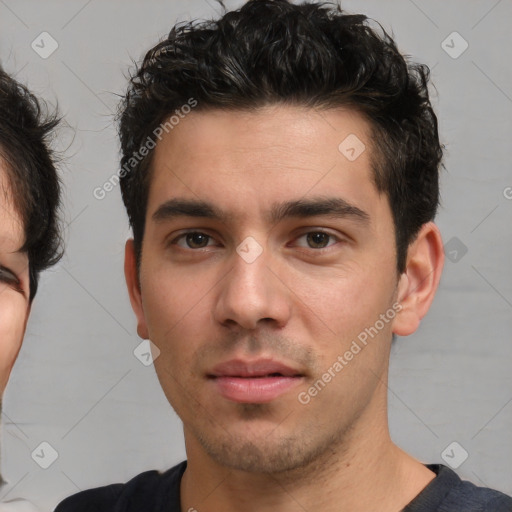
{"x":26,"y":130}
{"x":315,"y":55}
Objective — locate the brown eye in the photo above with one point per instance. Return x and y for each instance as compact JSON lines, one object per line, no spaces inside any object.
{"x":318,"y":239}
{"x":197,"y":240}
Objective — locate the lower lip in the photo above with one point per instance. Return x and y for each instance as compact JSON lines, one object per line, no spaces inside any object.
{"x":254,"y":390}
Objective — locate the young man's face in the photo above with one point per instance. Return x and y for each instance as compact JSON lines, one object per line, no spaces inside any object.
{"x":300,"y":263}
{"x":14,"y":282}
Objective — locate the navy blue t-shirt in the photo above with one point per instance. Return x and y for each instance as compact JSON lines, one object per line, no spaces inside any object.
{"x":160,"y":492}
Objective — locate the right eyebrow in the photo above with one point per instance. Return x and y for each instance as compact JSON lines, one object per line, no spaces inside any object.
{"x":187,"y":208}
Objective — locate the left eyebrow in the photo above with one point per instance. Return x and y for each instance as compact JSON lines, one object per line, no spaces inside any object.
{"x":330,"y":207}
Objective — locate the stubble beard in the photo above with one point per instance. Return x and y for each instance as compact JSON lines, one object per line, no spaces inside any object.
{"x":288,"y":455}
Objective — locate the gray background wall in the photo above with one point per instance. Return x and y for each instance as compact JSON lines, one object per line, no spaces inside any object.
{"x":77,"y":384}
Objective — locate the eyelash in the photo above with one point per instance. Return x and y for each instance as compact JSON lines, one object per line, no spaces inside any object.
{"x":10,"y":278}
{"x":316,"y":231}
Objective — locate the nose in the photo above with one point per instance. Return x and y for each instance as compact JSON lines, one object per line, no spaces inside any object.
{"x":252,"y":293}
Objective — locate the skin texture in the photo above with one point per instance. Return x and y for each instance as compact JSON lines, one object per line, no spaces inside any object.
{"x":14,"y":295}
{"x":296,"y":303}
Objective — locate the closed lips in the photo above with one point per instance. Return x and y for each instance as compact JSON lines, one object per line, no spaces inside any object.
{"x":253,"y":369}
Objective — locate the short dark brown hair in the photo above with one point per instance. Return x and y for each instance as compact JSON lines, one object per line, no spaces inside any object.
{"x":316,"y":55}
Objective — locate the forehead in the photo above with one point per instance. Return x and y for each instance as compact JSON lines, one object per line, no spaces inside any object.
{"x":247,"y":161}
{"x":11,"y":229}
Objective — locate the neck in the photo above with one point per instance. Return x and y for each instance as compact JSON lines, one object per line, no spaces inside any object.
{"x":361,"y":472}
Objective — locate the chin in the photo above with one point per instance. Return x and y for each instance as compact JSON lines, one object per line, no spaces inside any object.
{"x":265,"y":452}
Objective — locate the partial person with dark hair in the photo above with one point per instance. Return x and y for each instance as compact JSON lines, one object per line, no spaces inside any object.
{"x":29,"y":229}
{"x":280,"y":170}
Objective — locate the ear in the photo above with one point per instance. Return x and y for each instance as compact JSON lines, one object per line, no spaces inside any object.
{"x":134,"y":291}
{"x":418,"y":284}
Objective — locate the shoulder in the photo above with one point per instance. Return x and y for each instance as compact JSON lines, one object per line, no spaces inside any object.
{"x":471,"y":498}
{"x":461,"y":495}
{"x":147,"y":490}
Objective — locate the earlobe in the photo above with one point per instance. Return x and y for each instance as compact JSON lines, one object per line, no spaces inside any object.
{"x":134,"y":291}
{"x":418,"y":284}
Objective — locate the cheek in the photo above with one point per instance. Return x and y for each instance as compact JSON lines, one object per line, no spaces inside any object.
{"x":174,"y":305}
{"x":177,"y":312}
{"x":350,"y":341}
{"x":13,"y":315}
{"x":345,"y":302}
